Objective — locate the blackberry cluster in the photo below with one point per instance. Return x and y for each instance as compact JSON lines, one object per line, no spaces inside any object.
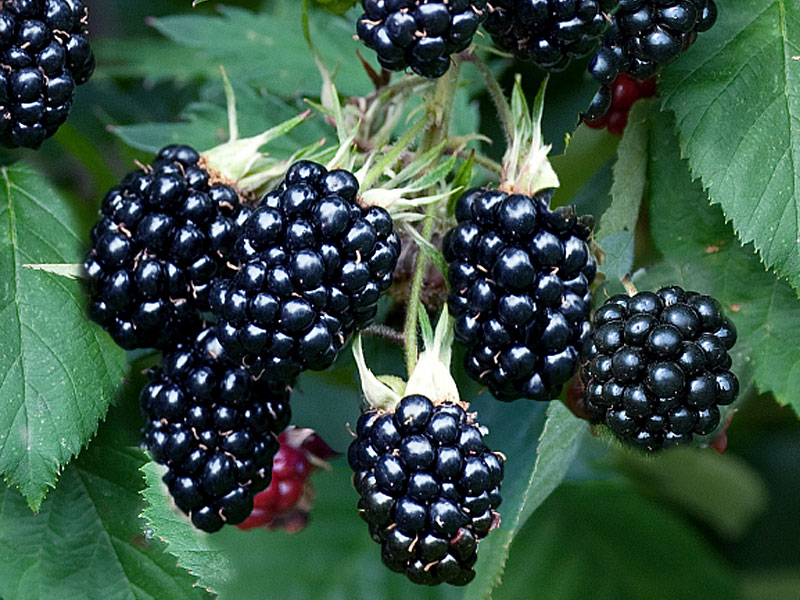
{"x":625,"y":91}
{"x":44,"y":54}
{"x":519,"y":279}
{"x":313,"y":265}
{"x":215,"y":428}
{"x":644,"y":36}
{"x":658,"y":368}
{"x":429,"y":488}
{"x":419,"y":33}
{"x":548,"y":33}
{"x":163,"y":236}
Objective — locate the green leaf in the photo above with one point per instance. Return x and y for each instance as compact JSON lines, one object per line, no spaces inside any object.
{"x":58,"y":372}
{"x":630,"y":175}
{"x":703,"y":254}
{"x":602,"y":540}
{"x":719,"y":489}
{"x":618,"y":248}
{"x":87,"y":541}
{"x":204,"y":124}
{"x":183,"y":540}
{"x":525,"y":489}
{"x":736,"y":98}
{"x":248,"y":44}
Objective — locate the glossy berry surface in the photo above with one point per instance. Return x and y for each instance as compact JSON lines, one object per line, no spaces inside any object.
{"x":645,"y":36}
{"x":519,"y":277}
{"x":312,"y":265}
{"x":658,"y":369}
{"x":288,"y":500}
{"x":215,"y":428}
{"x":548,"y":33}
{"x":625,"y":91}
{"x":45,"y":53}
{"x":420,"y":34}
{"x":429,"y":488}
{"x":164,"y":234}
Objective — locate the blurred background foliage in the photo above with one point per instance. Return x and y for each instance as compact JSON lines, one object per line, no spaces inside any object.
{"x":690,"y":524}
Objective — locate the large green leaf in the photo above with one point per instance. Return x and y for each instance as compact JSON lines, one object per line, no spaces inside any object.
{"x":524,"y":489}
{"x":204,"y":124}
{"x":265,"y":48}
{"x":192,"y":548}
{"x":87,"y":541}
{"x":630,"y":176}
{"x":58,"y":372}
{"x":702,"y":253}
{"x":737,"y":99}
{"x":602,"y":540}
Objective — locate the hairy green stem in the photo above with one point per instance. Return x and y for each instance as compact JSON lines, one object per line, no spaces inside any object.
{"x":496,"y":93}
{"x":441,"y":108}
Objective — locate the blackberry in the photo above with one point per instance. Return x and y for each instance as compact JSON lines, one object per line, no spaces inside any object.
{"x":45,"y":54}
{"x":658,"y":368}
{"x":286,"y":503}
{"x":519,"y":277}
{"x":644,"y":36}
{"x":164,"y":233}
{"x":625,"y":91}
{"x":215,"y":428}
{"x":419,"y":33}
{"x":548,"y":33}
{"x":428,"y":486}
{"x":313,"y":264}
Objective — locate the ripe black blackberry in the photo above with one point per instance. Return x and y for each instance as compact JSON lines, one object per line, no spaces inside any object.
{"x":164,"y":233}
{"x":658,"y":368}
{"x":420,"y":34}
{"x":548,"y":33}
{"x":313,"y":264}
{"x":519,"y":278}
{"x":644,"y":36}
{"x":215,"y":428}
{"x":45,"y":53}
{"x":429,"y":488}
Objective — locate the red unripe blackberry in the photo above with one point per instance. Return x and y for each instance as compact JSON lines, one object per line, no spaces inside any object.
{"x":286,"y":503}
{"x":519,"y":277}
{"x":215,"y":427}
{"x":313,"y":264}
{"x":659,"y":369}
{"x":625,"y":91}
{"x":164,"y":233}
{"x":45,"y":54}
{"x":428,"y":486}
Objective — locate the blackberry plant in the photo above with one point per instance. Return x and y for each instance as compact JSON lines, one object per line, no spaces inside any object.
{"x":122,"y":466}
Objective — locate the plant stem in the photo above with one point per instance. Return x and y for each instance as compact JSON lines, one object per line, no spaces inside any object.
{"x":496,"y":93}
{"x":441,"y":108}
{"x":400,"y":146}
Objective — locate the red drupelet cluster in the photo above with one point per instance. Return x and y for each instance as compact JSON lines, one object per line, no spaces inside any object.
{"x":624,"y":92}
{"x":286,"y":503}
